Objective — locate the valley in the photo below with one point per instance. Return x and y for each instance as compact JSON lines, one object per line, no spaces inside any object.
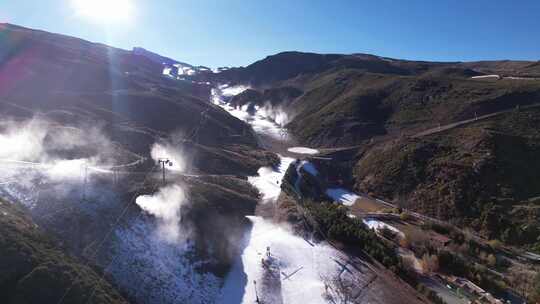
{"x":308,"y":268}
{"x":130,"y":177}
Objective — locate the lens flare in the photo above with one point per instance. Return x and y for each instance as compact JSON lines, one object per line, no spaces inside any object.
{"x":104,"y":11}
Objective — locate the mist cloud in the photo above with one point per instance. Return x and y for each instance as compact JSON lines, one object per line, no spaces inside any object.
{"x":165,"y":205}
{"x":39,"y":152}
{"x":46,"y":143}
{"x":22,"y":140}
{"x":274,"y":113}
{"x":170,"y":152}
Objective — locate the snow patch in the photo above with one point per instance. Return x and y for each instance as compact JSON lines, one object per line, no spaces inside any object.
{"x":379,"y":225}
{"x":303,"y":150}
{"x":268,"y":179}
{"x":264,"y":120}
{"x":342,"y":196}
{"x":520,"y":78}
{"x":305,"y":262}
{"x":229,"y":91}
{"x":263,"y":125}
{"x":153,"y":271}
{"x":485,"y":76}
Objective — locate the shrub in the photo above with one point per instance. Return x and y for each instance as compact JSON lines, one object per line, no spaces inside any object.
{"x":495,"y":244}
{"x":333,"y":221}
{"x":404,"y":216}
{"x":430,"y":263}
{"x":491,"y":260}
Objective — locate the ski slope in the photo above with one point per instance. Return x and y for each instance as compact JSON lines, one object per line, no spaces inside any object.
{"x":305,"y":266}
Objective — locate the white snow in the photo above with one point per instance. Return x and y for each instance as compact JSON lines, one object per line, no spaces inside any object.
{"x":507,"y":77}
{"x":268,"y":180}
{"x":378,"y":225}
{"x":343,"y":196}
{"x":232,"y":91}
{"x":148,"y":268}
{"x":303,"y":150}
{"x":66,"y":169}
{"x":264,"y":125}
{"x":153,"y":271}
{"x":177,"y":70}
{"x":485,"y":76}
{"x":219,"y":70}
{"x":311,"y":261}
{"x":167,"y":71}
{"x":520,"y":78}
{"x":264,"y":120}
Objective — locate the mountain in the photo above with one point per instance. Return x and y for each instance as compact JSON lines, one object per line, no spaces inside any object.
{"x":412,"y":133}
{"x":149,"y":176}
{"x":507,"y":67}
{"x":68,"y":80}
{"x":482,"y":175}
{"x":288,"y":65}
{"x":83,"y":126}
{"x":347,"y":99}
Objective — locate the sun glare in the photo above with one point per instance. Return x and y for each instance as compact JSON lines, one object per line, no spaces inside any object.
{"x":104,"y":11}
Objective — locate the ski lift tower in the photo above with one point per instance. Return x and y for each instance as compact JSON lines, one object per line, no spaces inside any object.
{"x":163,"y":162}
{"x":283,"y":133}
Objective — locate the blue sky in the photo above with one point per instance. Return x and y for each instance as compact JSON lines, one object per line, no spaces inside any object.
{"x":234,"y":33}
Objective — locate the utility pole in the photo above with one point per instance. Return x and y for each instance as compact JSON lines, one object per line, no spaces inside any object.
{"x":115,"y":176}
{"x":202,"y":121}
{"x":256,"y":294}
{"x":283,"y":132}
{"x":163,"y":162}
{"x":85,"y":180}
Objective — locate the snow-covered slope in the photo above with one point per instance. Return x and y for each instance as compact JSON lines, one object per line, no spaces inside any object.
{"x":167,"y":273}
{"x":304,"y":266}
{"x":264,"y":121}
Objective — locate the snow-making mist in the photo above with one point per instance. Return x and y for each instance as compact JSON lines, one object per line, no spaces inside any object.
{"x":168,"y":151}
{"x":38,"y":152}
{"x":265,"y":120}
{"x":76,"y":174}
{"x":43,"y":141}
{"x":165,"y":206}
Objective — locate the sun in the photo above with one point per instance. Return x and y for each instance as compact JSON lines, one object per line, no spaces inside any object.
{"x":104,"y":11}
